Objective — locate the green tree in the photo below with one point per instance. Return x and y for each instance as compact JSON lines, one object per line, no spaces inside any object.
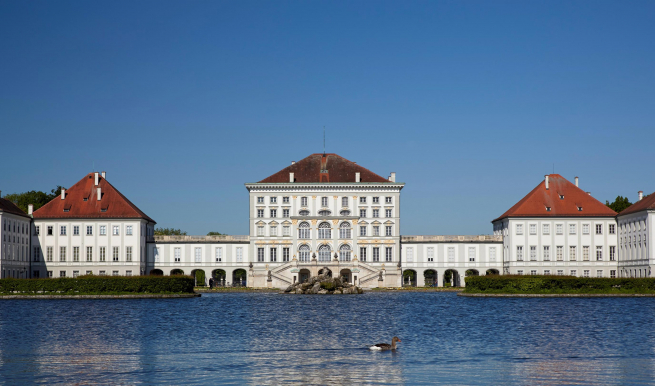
{"x":169,"y":232}
{"x":34,"y":197}
{"x":215,"y":234}
{"x":619,"y":204}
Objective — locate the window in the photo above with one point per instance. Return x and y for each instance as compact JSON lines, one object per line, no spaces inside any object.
{"x":599,"y":229}
{"x":103,"y":230}
{"x":285,"y":255}
{"x":37,"y":253}
{"x":571,"y":229}
{"x":260,"y":230}
{"x":324,"y":201}
{"x":62,"y":253}
{"x":76,"y":230}
{"x":585,"y":229}
{"x":344,"y":201}
{"x":387,"y":213}
{"x":572,"y":253}
{"x":388,"y":230}
{"x":177,"y":255}
{"x":324,"y":212}
{"x":560,"y":272}
{"x":410,"y":255}
{"x":362,"y":230}
{"x":76,"y":273}
{"x":533,"y":229}
{"x":285,"y":213}
{"x":157,"y":254}
{"x":387,"y":200}
{"x":430,"y":253}
{"x":376,"y":230}
{"x":451,"y":254}
{"x":613,"y":274}
{"x":533,"y":272}
{"x":303,"y":201}
{"x":89,"y":230}
{"x":128,"y":230}
{"x":286,"y":230}
{"x":546,"y":272}
{"x":376,"y":253}
{"x":376,"y":200}
{"x":559,"y":229}
{"x":62,"y":273}
{"x":114,"y":256}
{"x":548,"y":209}
{"x":599,"y":253}
{"x":345,"y":252}
{"x":62,"y":230}
{"x":492,"y":254}
{"x":612,"y":230}
{"x":362,"y":200}
{"x":239,"y":254}
{"x":585,"y":253}
{"x":324,"y":231}
{"x":546,"y":229}
{"x":303,"y":213}
{"x":599,"y":273}
{"x":273,"y":230}
{"x":128,"y":273}
{"x":344,"y":213}
{"x":218,"y":254}
{"x":519,"y":272}
{"x":103,"y":254}
{"x":612,"y":253}
{"x":303,"y":231}
{"x":519,"y":229}
{"x":471,"y":253}
{"x":519,"y":253}
{"x":89,"y":254}
{"x":285,"y":200}
{"x":324,"y":253}
{"x":560,"y":253}
{"x":362,"y":213}
{"x":260,"y":254}
{"x":533,"y":253}
{"x":388,"y":254}
{"x":376,"y":213}
{"x":114,"y":273}
{"x":362,"y":253}
{"x":260,"y":213}
{"x":273,"y":213}
{"x":546,"y":253}
{"x":115,"y":230}
{"x":561,"y":196}
{"x":76,"y":254}
{"x":273,"y":200}
{"x":260,"y":200}
{"x":273,"y":254}
{"x":303,"y":253}
{"x":345,"y":231}
{"x":585,"y":273}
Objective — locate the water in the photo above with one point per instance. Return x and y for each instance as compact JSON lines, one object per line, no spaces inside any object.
{"x":259,"y":339}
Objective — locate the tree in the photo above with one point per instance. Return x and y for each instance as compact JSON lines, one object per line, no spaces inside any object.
{"x":169,"y":232}
{"x":619,"y":204}
{"x":215,"y":234}
{"x":34,"y":197}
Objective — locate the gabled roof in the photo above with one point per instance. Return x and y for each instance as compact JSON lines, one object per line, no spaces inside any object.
{"x":324,"y":168}
{"x":537,"y":202}
{"x":646,"y":203}
{"x":112,"y":203}
{"x":9,"y":207}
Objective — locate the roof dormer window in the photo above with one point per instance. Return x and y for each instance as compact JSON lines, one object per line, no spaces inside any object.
{"x":86,"y":199}
{"x":548,"y":209}
{"x":103,"y":210}
{"x":579,"y":209}
{"x":561,"y":196}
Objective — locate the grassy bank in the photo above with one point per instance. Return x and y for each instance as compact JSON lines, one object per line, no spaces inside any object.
{"x":510,"y":284}
{"x":416,"y":289}
{"x":234,"y":289}
{"x":98,"y":285}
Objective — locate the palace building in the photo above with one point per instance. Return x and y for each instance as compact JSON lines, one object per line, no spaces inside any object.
{"x":326,"y":212}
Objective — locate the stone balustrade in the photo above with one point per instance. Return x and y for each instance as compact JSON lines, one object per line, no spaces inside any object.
{"x":200,"y":239}
{"x":452,"y":238}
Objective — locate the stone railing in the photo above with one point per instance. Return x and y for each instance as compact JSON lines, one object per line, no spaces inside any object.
{"x":199,"y":239}
{"x":448,"y":238}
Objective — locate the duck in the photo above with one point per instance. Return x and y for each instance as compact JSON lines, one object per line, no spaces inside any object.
{"x":386,"y":346}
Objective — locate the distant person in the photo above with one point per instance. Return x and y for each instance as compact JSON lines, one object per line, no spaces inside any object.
{"x":211,"y":283}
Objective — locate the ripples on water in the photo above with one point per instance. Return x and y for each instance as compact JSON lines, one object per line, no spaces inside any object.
{"x":261,"y":339}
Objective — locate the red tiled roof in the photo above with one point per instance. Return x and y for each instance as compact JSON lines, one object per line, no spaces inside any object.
{"x":647,"y":203}
{"x":114,"y":204}
{"x":535,"y":203}
{"x":338,"y":169}
{"x":9,"y":207}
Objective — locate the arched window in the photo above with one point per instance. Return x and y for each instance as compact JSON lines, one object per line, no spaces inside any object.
{"x":344,"y":252}
{"x":324,"y":253}
{"x":324,"y":212}
{"x":303,"y":253}
{"x":324,"y":231}
{"x":303,"y":231}
{"x":303,"y":212}
{"x":345,"y":231}
{"x":344,"y":213}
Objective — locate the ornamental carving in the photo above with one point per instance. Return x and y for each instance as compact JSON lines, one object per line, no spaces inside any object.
{"x":354,"y":222}
{"x":314,"y":222}
{"x":295,"y":197}
{"x":335,"y":197}
{"x":335,"y":222}
{"x":314,"y":197}
{"x":294,"y":222}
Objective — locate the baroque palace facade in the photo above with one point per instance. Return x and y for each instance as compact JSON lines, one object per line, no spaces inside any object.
{"x":325,"y":212}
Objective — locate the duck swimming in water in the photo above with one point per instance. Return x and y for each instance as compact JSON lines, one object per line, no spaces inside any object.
{"x":386,"y":346}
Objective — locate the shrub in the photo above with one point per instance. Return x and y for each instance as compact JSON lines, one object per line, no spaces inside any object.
{"x":200,"y":278}
{"x":557,"y":284}
{"x":99,"y":285}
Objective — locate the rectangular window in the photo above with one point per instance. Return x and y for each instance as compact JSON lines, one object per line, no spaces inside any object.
{"x":612,"y":229}
{"x":376,"y":200}
{"x":260,"y":200}
{"x":62,"y":273}
{"x":451,"y":254}
{"x":76,"y":254}
{"x":37,"y":230}
{"x":533,"y":253}
{"x":285,"y":200}
{"x":286,"y":230}
{"x":559,"y":229}
{"x":114,"y":273}
{"x":128,"y":230}
{"x":599,"y":253}
{"x":50,"y":230}
{"x":273,"y":231}
{"x":585,"y":273}
{"x":128,"y":273}
{"x":324,"y":201}
{"x":62,"y":253}
{"x":612,"y":253}
{"x":103,"y":230}
{"x":76,"y":230}
{"x":492,"y":254}
{"x":260,"y":231}
{"x":546,"y":272}
{"x":285,"y":255}
{"x":362,"y":213}
{"x":585,"y":253}
{"x":560,"y":253}
{"x":114,"y":256}
{"x":273,"y":254}
{"x":103,"y":254}
{"x":344,"y":201}
{"x":571,"y":229}
{"x":560,"y":272}
{"x":362,"y":200}
{"x":362,"y":230}
{"x":362,"y":253}
{"x":471,"y":254}
{"x":303,"y":201}
{"x":546,"y":253}
{"x":177,"y":255}
{"x":613,"y":274}
{"x":430,"y":253}
{"x":546,"y":229}
{"x":273,"y":213}
{"x":599,"y":273}
{"x":519,"y":229}
{"x":376,"y":213}
{"x":37,"y":253}
{"x":519,"y":253}
{"x":49,"y":253}
{"x":239,"y":254}
{"x":387,"y":213}
{"x":599,"y":229}
{"x":89,"y":254}
{"x":115,"y":230}
{"x":387,"y":231}
{"x":260,"y":213}
{"x":76,"y":273}
{"x":260,"y":254}
{"x":218,"y":254}
{"x":387,"y":200}
{"x":519,"y":272}
{"x":410,"y":255}
{"x":273,"y":200}
{"x":533,"y":229}
{"x":376,"y":231}
{"x":533,"y":272}
{"x":376,"y":254}
{"x":62,"y":230}
{"x":388,"y":254}
{"x":285,"y":213}
{"x":89,"y":230}
{"x":572,"y":253}
{"x":585,"y":229}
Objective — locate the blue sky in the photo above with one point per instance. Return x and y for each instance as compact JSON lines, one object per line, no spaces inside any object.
{"x":469,"y":102}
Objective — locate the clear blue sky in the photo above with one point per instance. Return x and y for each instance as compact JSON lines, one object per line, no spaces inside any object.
{"x":469,"y":102}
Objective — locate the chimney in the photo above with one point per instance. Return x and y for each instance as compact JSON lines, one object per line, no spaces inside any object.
{"x":293,"y":162}
{"x":96,"y":174}
{"x":641,"y":195}
{"x":393,"y":177}
{"x":63,"y":193}
{"x":30,"y":209}
{"x":103,"y":175}
{"x":589,"y":193}
{"x":576,"y":181}
{"x":99,"y":193}
{"x":358,"y":177}
{"x":546,"y":179}
{"x":291,"y":177}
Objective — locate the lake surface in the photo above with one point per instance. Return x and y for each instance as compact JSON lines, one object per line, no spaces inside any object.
{"x":258,"y":339}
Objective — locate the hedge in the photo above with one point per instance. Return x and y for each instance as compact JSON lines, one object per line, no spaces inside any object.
{"x":512,"y":284}
{"x":99,"y":285}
